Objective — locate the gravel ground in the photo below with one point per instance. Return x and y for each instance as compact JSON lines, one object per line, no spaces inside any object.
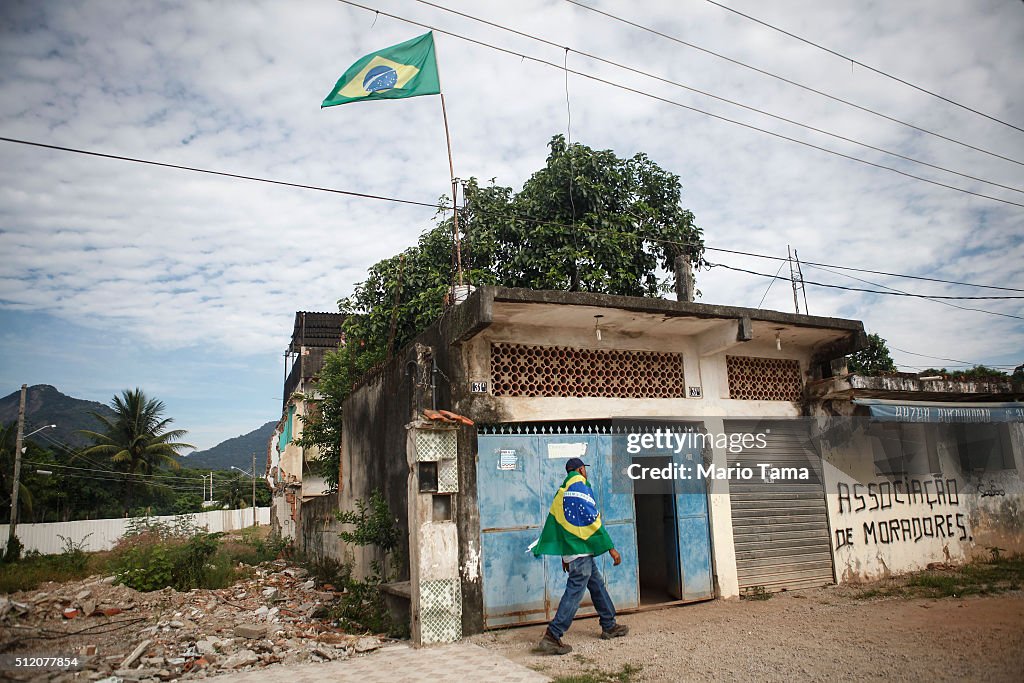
{"x":819,"y":634}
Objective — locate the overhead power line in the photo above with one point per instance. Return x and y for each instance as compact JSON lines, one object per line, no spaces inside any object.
{"x":444,"y":207}
{"x":875,"y":291}
{"x":207,"y":171}
{"x":938,"y":300}
{"x":952,"y":360}
{"x":792,"y":82}
{"x":658,"y":98}
{"x":865,"y":66}
{"x":705,"y":93}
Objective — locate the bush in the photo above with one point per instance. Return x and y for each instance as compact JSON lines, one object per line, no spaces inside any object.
{"x":154,"y":555}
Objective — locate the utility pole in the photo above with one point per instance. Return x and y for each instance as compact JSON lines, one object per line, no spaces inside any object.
{"x":792,"y":279}
{"x":211,"y":486}
{"x":17,"y":471}
{"x":684,"y":278}
{"x":254,"y":488}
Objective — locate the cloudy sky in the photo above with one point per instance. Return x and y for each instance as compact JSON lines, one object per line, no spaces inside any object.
{"x":117,"y":275}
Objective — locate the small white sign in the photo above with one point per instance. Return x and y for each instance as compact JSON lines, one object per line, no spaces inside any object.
{"x":508,"y":460}
{"x":695,"y":392}
{"x":478,"y":387}
{"x":567,"y":450}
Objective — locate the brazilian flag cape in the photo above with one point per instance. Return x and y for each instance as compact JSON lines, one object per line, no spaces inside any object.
{"x":573,"y":526}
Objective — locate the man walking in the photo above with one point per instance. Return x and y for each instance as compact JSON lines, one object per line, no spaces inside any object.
{"x":574,"y":530}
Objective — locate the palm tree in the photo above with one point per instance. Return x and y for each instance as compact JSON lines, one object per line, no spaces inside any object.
{"x":233,"y":493}
{"x":136,"y":439}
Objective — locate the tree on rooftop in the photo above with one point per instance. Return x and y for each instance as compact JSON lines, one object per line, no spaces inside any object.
{"x":588,"y":221}
{"x":874,"y":359}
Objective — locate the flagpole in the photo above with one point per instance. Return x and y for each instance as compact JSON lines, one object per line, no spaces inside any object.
{"x":455,"y":208}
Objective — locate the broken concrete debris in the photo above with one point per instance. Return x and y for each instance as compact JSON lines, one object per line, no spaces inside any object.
{"x":278,"y":615}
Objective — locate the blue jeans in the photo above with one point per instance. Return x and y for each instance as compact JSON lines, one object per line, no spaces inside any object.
{"x":583,"y":574}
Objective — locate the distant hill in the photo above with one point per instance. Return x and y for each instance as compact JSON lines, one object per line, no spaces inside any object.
{"x":45,"y":405}
{"x":237,"y":451}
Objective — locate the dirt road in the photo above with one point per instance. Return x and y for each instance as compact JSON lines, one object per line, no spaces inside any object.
{"x":821,"y":634}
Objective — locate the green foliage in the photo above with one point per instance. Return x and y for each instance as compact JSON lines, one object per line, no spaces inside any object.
{"x":234,"y":493}
{"x":588,"y":221}
{"x":154,"y":555}
{"x":872,"y":360}
{"x":592,"y":674}
{"x":362,"y":605}
{"x":34,"y":569}
{"x":137,"y":439}
{"x":997,"y":575}
{"x":12,"y":552}
{"x":73,"y":555}
{"x":977,"y":373}
{"x":374,"y":524}
{"x":1018,"y":373}
{"x":756,"y":593}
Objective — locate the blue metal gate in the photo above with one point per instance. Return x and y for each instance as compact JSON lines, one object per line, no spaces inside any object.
{"x":517,"y":476}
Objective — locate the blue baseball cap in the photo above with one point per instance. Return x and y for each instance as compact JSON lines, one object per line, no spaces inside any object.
{"x":574,"y":464}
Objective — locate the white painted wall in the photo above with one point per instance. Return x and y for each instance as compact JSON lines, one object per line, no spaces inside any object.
{"x":879,"y":528}
{"x":103,"y":534}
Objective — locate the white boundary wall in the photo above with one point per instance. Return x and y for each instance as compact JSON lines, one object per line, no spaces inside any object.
{"x":106,"y":532}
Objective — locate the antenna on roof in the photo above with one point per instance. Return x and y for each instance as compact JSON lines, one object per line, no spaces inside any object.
{"x":796,"y":278}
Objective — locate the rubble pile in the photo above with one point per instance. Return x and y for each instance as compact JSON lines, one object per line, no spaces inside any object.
{"x":279,"y":615}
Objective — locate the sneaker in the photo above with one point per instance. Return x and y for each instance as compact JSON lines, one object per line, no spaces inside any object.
{"x":616,"y":631}
{"x":550,"y":645}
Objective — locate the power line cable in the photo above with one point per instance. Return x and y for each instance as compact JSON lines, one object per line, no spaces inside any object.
{"x":681,"y":105}
{"x":868,"y":291}
{"x":952,"y":360}
{"x":520,"y":218}
{"x":936,"y":299}
{"x":705,"y":93}
{"x":793,"y":83}
{"x":224,"y":174}
{"x":866,"y":66}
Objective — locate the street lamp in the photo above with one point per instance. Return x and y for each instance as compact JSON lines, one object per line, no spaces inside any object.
{"x":18,"y":450}
{"x":253,"y":475}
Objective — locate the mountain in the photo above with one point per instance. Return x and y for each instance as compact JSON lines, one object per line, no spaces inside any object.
{"x":45,"y":405}
{"x":235,"y":452}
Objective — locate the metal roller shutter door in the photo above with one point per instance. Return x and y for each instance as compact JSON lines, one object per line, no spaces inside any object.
{"x":780,"y":529}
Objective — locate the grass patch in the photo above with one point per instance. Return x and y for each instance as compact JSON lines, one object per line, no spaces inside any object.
{"x":625,"y":674}
{"x":34,"y":569}
{"x":980,"y":577}
{"x":755,"y":593}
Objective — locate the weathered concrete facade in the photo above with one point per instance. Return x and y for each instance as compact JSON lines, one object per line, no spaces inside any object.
{"x":314,"y":335}
{"x":908,"y":493}
{"x":450,"y":367}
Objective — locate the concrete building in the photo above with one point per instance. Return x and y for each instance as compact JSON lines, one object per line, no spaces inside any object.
{"x":288,"y":471}
{"x":804,"y":480}
{"x":919,"y":471}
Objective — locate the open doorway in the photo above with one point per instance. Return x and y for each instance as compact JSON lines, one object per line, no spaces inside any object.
{"x":656,"y":537}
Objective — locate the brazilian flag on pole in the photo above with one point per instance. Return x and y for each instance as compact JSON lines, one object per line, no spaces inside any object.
{"x":408,"y":69}
{"x":573,"y":526}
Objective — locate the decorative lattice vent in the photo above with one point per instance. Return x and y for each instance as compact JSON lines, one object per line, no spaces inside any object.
{"x":521,"y":370}
{"x":448,"y":476}
{"x":764,"y":379}
{"x":436,"y":444}
{"x":440,"y":611}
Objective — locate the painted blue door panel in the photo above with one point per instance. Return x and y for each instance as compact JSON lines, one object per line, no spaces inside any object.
{"x":694,"y":531}
{"x":513,"y":578}
{"x":622,"y":581}
{"x":695,"y":557}
{"x":508,"y":498}
{"x":614,"y":506}
{"x":555,"y":586}
{"x":514,"y":504}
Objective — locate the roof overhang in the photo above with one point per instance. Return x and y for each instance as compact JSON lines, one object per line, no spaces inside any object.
{"x":716,"y":327}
